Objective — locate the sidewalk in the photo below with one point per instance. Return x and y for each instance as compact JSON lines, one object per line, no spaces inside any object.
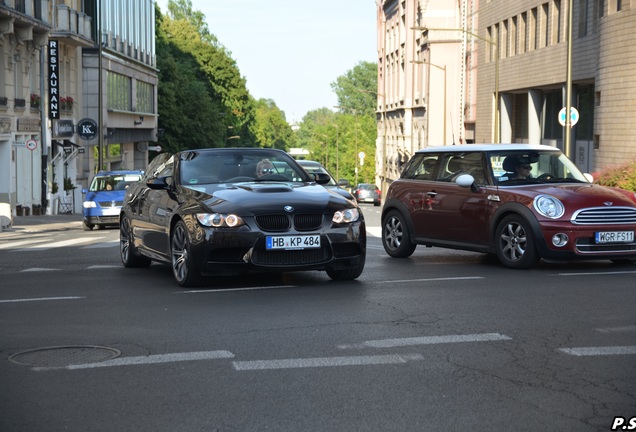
{"x":44,"y":223}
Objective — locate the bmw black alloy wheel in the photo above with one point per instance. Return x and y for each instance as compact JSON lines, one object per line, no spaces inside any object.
{"x":182,"y":261}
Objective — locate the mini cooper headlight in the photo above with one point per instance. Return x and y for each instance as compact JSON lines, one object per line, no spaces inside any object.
{"x":346,"y":216}
{"x":218,"y":220}
{"x":549,"y":206}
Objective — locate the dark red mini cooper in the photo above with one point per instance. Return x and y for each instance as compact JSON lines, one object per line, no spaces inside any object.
{"x":520,"y":202}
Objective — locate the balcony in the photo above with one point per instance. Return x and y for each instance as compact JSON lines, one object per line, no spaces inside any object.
{"x":73,"y":27}
{"x":28,"y":20}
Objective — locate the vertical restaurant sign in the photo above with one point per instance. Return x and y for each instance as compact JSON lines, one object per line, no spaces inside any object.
{"x":54,"y":82}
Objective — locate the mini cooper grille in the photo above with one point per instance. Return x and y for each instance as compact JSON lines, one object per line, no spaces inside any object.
{"x":587,"y":245}
{"x":605,"y":216}
{"x":280,"y":223}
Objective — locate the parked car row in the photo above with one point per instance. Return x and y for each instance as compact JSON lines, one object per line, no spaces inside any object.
{"x":227,"y":211}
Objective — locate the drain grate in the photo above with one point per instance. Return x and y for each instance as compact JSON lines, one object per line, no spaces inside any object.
{"x":61,"y":356}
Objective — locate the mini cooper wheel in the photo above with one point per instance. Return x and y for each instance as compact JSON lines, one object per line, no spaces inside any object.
{"x":182,"y":263}
{"x":514,"y":243}
{"x":395,"y":235}
{"x":127,"y":250}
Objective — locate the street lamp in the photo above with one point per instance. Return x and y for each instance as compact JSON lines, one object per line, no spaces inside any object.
{"x":492,"y":42}
{"x":443,"y":68}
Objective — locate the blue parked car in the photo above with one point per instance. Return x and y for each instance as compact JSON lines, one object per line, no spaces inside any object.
{"x":105,"y":196}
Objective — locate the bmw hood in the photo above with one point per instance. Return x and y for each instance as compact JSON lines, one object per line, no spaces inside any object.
{"x":271,"y":197}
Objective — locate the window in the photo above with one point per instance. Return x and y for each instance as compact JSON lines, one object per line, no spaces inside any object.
{"x":585,"y":106}
{"x":118,"y":89}
{"x":520,"y":117}
{"x":145,"y":97}
{"x":553,"y":103}
{"x":583,"y":9}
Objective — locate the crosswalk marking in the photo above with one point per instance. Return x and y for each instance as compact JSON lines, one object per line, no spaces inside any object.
{"x":11,"y":245}
{"x":108,"y":244}
{"x":62,"y":243}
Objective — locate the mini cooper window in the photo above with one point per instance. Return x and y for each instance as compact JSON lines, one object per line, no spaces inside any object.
{"x":457,"y":164}
{"x":513,"y":168}
{"x":422,"y":167}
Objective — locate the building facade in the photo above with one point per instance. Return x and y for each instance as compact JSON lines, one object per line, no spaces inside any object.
{"x":505,"y":79}
{"x":55,"y":116}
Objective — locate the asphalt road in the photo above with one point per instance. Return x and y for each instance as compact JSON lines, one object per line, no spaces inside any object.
{"x":444,"y":340}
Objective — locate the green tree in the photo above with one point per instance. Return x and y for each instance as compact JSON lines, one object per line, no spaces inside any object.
{"x":188,"y":33}
{"x":188,"y":104}
{"x":271,"y":128}
{"x":357,"y":88}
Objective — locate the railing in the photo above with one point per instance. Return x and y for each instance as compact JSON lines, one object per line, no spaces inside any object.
{"x":73,"y":21}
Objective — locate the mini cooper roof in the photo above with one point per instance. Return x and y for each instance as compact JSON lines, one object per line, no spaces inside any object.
{"x":487,"y":148}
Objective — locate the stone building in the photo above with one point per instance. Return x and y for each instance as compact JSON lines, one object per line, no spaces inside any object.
{"x":469,"y":71}
{"x":50,"y":70}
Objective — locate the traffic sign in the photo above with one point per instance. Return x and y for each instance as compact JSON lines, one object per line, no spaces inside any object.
{"x":87,"y":129}
{"x":574,"y":116}
{"x":31,"y":144}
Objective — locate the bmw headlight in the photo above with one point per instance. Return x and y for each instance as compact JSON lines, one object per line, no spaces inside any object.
{"x":89,"y":204}
{"x":218,"y":220}
{"x":549,"y":206}
{"x":346,"y":216}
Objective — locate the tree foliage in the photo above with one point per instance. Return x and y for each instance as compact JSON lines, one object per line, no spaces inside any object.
{"x":188,"y":104}
{"x":271,"y":128}
{"x":212,"y":100}
{"x":357,"y":88}
{"x":336,"y":139}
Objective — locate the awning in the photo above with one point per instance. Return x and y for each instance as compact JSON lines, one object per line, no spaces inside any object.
{"x":66,"y":149}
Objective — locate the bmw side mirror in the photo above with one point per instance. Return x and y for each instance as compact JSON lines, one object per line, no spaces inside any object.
{"x":321,"y":178}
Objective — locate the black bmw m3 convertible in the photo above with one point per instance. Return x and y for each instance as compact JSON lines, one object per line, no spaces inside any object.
{"x":239,"y":210}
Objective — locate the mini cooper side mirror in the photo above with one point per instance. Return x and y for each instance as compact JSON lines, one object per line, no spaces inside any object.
{"x":466,"y":180}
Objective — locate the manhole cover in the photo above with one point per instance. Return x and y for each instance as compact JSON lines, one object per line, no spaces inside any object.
{"x":64,"y":356}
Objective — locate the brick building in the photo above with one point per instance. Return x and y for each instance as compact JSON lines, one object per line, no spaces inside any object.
{"x":508,"y":57}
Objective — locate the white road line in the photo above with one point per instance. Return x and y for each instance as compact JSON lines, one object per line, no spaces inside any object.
{"x":428,"y":340}
{"x":12,"y":245}
{"x":40,"y":299}
{"x":428,"y":279}
{"x":145,"y":360}
{"x":102,"y":266}
{"x":234,"y":289}
{"x":597,"y":273}
{"x":374,"y":231}
{"x":624,"y":329}
{"x":324,"y":362}
{"x":600,"y":351}
{"x":38,"y":269}
{"x":108,"y":244}
{"x":62,"y":243}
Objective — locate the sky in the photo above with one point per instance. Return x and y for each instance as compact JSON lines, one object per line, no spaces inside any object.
{"x":291,"y":51}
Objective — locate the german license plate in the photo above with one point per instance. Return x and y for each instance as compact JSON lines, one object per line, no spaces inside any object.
{"x":614,"y":237}
{"x":111,"y":211}
{"x":292,"y":242}
{"x":368,"y":199}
